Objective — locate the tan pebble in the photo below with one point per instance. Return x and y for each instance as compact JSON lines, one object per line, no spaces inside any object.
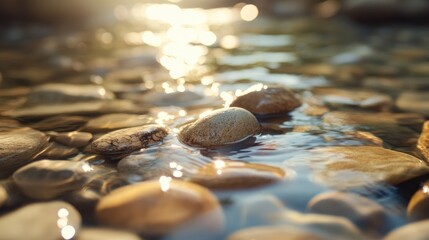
{"x":274,"y":233}
{"x":414,"y":231}
{"x":58,"y":151}
{"x":47,"y":179}
{"x":268,"y":101}
{"x":3,"y":196}
{"x":74,"y":139}
{"x":41,"y":221}
{"x":368,"y":215}
{"x":220,"y":127}
{"x":418,"y":207}
{"x":106,"y":233}
{"x":236,"y":175}
{"x":129,"y":139}
{"x":161,"y":207}
{"x":114,"y":121}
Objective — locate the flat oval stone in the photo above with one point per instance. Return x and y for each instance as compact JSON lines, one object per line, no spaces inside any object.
{"x":48,"y":179}
{"x":114,"y":121}
{"x":237,"y":175}
{"x":343,"y":167}
{"x":268,"y":101}
{"x":42,"y":221}
{"x":414,"y":231}
{"x":220,"y":127}
{"x":73,"y":139}
{"x":128,"y":140}
{"x":60,"y":123}
{"x":58,"y":151}
{"x":65,"y":93}
{"x":414,"y":102}
{"x":366,"y":214}
{"x":423,"y":142}
{"x":335,"y":97}
{"x":18,"y":147}
{"x":418,"y":207}
{"x":161,"y":207}
{"x":106,"y":233}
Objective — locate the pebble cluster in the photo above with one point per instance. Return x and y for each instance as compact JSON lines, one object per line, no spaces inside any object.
{"x":326,"y":138}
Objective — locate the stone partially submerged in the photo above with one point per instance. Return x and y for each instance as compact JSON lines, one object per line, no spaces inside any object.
{"x":342,"y":167}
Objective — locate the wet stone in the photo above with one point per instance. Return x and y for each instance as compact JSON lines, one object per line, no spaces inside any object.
{"x":257,"y":210}
{"x":56,"y":93}
{"x":128,"y":140}
{"x":220,"y":127}
{"x":84,"y":201}
{"x":415,"y":231}
{"x":18,"y":147}
{"x":58,"y":151}
{"x":353,"y":98}
{"x":274,"y":233}
{"x":156,"y":208}
{"x":237,"y":175}
{"x":3,"y":196}
{"x":47,"y":179}
{"x":418,"y":207}
{"x":78,"y":108}
{"x":60,"y":123}
{"x":368,"y":215}
{"x":73,"y":139}
{"x":116,"y":121}
{"x":268,"y":101}
{"x":42,"y":221}
{"x":343,"y":167}
{"x":92,"y":233}
{"x":156,"y":161}
{"x":7,"y":124}
{"x":397,"y":84}
{"x":417,"y":102}
{"x":423,"y":142}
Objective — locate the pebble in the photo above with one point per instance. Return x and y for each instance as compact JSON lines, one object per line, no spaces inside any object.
{"x":161,"y":207}
{"x":91,"y":233}
{"x":47,"y":179}
{"x":58,"y":151}
{"x":417,"y":102}
{"x":258,"y":209}
{"x":129,"y":139}
{"x":423,"y":142}
{"x":18,"y":147}
{"x":110,"y":122}
{"x":60,"y":123}
{"x":418,"y":207}
{"x":353,"y":98}
{"x":220,"y":127}
{"x":295,"y":225}
{"x":268,"y":101}
{"x":368,"y":215}
{"x":414,"y":231}
{"x":75,"y":108}
{"x":41,"y":221}
{"x":73,"y":139}
{"x":396,"y":84}
{"x":237,"y":175}
{"x":344,"y":167}
{"x":57,"y":93}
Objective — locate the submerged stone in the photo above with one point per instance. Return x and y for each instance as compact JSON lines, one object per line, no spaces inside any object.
{"x":353,"y":98}
{"x":18,"y":147}
{"x":161,"y":207}
{"x":343,"y":167}
{"x":91,"y":233}
{"x":268,"y":101}
{"x":41,"y":221}
{"x":58,"y":151}
{"x":73,"y":139}
{"x":56,"y":93}
{"x":415,"y":231}
{"x":366,"y":214}
{"x":237,"y":175}
{"x":48,"y":179}
{"x":129,"y":139}
{"x":220,"y":127}
{"x":116,"y":121}
{"x":417,"y":102}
